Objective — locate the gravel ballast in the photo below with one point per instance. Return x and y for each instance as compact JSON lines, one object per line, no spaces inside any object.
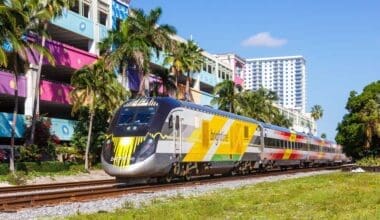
{"x":136,"y":200}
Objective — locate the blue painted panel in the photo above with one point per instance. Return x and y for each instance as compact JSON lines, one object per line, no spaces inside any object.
{"x":75,"y":23}
{"x":206,"y":98}
{"x":102,"y":32}
{"x":158,"y":60}
{"x":206,"y":78}
{"x":62,"y":128}
{"x":119,"y":11}
{"x":6,"y":125}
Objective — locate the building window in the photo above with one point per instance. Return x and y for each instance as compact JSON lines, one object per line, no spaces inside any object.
{"x":75,"y":7}
{"x":102,"y":13}
{"x":86,"y":9}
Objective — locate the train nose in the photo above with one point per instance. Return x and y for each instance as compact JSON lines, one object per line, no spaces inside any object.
{"x":153,"y":166}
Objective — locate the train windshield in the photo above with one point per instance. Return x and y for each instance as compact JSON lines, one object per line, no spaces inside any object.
{"x":136,"y":115}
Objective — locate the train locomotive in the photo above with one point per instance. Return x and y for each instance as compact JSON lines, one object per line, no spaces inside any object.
{"x":165,"y":138}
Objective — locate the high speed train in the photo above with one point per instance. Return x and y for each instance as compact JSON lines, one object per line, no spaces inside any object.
{"x":165,"y":138}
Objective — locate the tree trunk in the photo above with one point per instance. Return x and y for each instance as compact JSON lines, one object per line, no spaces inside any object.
{"x":176,"y":84}
{"x":188,"y":95}
{"x":36,"y":101}
{"x":144,"y":85}
{"x":14,"y":120}
{"x":124,"y":79}
{"x":86,"y":167}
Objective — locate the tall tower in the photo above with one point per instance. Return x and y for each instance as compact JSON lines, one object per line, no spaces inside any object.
{"x":284,"y":75}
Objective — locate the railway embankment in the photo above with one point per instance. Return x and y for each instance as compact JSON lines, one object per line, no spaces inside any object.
{"x":299,"y":188}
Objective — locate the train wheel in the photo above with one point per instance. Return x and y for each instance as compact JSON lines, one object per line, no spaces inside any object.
{"x":187,"y":177}
{"x":165,"y":179}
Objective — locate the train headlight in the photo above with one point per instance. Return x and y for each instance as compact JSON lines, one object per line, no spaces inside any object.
{"x":146,"y":150}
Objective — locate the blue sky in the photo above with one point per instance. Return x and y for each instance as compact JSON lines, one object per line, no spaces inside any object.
{"x":340,"y":40}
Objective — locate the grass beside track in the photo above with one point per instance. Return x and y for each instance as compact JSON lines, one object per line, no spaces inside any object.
{"x":330,"y":196}
{"x":45,"y":169}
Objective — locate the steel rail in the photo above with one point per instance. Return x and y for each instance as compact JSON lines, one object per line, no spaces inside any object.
{"x":26,"y":188}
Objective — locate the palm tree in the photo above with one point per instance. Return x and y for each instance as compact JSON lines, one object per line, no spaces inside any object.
{"x":123,"y":49}
{"x":226,"y":96}
{"x":280,"y":120}
{"x":97,"y":88}
{"x":316,"y":112}
{"x":167,"y":82}
{"x":185,"y":57}
{"x":194,"y":64}
{"x":174,"y":58}
{"x":14,"y":30}
{"x":133,"y":43}
{"x":157,"y":36}
{"x":49,"y":9}
{"x":258,"y":105}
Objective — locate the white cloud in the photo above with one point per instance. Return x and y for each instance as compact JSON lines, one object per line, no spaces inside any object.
{"x":264,"y":39}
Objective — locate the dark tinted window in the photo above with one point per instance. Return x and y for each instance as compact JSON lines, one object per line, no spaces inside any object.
{"x":136,"y":115}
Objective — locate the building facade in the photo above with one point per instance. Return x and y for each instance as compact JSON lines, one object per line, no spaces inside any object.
{"x":73,"y":42}
{"x":236,"y":64}
{"x":284,"y":75}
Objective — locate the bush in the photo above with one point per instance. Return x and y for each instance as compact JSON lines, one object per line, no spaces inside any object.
{"x":369,"y":161}
{"x":68,"y":153}
{"x":4,"y":168}
{"x":17,"y":178}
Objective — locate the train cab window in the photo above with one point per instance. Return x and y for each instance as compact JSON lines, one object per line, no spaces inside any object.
{"x":257,"y":140}
{"x":136,"y":115}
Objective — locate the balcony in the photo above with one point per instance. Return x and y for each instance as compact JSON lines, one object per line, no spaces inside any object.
{"x":75,"y":23}
{"x":206,"y":78}
{"x":7,"y":84}
{"x":65,"y":55}
{"x":55,"y":92}
{"x":202,"y":98}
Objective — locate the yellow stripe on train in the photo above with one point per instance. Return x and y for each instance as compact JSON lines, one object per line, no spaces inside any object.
{"x":124,"y":147}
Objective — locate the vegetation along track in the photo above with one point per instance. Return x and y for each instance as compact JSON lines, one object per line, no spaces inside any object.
{"x":12,"y":203}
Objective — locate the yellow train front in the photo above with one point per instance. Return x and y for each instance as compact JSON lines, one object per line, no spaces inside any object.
{"x":164,"y":137}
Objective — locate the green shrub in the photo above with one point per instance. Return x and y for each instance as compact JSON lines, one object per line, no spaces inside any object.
{"x":30,"y":153}
{"x":4,"y":168}
{"x":17,"y":178}
{"x":369,"y":161}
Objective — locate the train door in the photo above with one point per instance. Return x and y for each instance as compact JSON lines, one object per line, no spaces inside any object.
{"x":177,"y":139}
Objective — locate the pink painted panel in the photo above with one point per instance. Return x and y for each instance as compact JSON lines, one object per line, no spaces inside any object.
{"x":7,"y":84}
{"x":55,"y":92}
{"x":238,"y":80}
{"x":65,"y":55}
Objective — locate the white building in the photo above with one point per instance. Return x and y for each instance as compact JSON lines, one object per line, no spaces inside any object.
{"x":284,"y":75}
{"x":300,"y":122}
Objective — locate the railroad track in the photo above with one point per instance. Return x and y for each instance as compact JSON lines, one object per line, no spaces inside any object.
{"x":12,"y":203}
{"x":27,"y":188}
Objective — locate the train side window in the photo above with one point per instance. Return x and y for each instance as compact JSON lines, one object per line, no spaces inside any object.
{"x":170,"y":125}
{"x":246,"y":131}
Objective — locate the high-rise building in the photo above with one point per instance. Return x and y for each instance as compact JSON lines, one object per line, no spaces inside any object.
{"x":284,"y":75}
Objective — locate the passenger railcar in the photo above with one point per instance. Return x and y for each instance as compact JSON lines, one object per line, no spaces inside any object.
{"x":166,"y":138}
